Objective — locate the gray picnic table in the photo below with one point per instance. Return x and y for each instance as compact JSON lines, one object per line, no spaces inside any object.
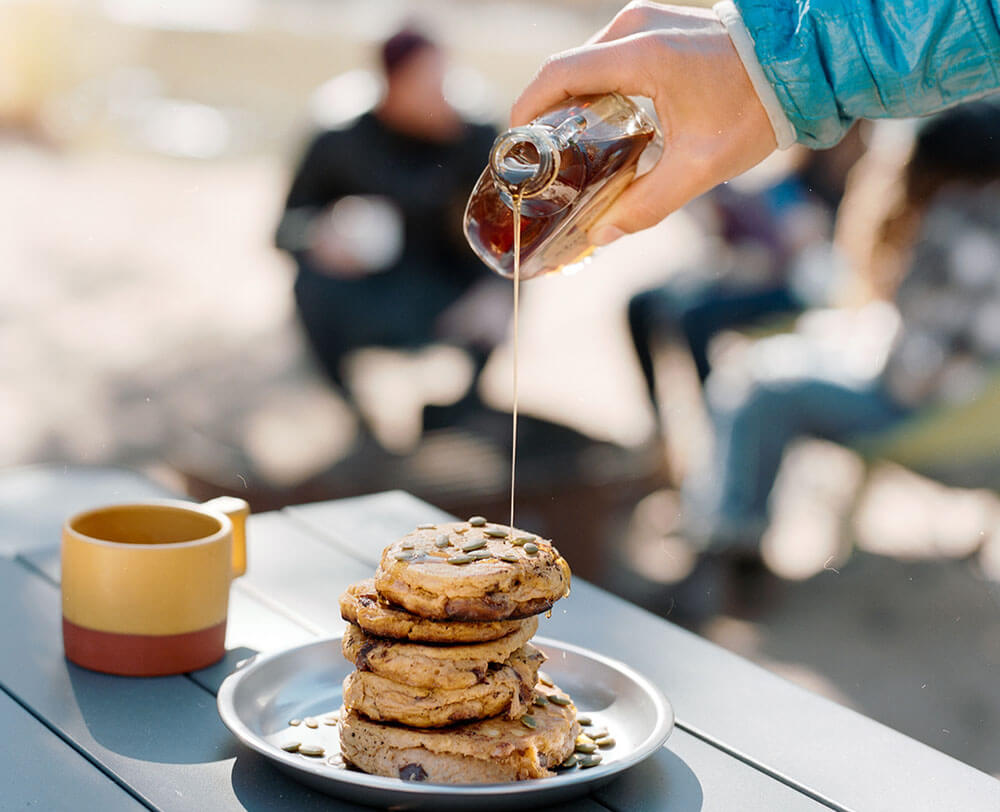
{"x":744,"y":740}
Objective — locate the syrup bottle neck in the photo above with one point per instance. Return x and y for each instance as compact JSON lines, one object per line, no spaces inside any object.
{"x":524,"y":161}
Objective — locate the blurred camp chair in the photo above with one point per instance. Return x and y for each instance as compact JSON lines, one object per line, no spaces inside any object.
{"x":956,"y":445}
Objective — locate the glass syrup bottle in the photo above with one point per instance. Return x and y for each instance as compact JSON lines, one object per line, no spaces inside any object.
{"x":567,"y":167}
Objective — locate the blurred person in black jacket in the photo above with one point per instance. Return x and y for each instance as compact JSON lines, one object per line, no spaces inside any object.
{"x":374,"y":222}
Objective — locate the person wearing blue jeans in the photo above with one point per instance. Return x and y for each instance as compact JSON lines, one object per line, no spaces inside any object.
{"x":947,"y":347}
{"x":727,"y":507}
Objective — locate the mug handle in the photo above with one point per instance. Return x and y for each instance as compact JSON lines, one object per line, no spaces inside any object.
{"x":237,"y":510}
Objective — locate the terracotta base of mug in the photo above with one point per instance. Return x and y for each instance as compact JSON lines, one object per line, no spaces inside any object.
{"x":142,"y":655}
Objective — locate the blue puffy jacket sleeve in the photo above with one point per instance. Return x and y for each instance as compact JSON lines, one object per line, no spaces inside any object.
{"x":833,"y":61}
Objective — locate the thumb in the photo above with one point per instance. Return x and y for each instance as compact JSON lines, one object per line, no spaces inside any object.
{"x":645,"y":202}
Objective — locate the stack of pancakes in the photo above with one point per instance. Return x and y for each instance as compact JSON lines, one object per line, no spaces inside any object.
{"x":446,"y":687}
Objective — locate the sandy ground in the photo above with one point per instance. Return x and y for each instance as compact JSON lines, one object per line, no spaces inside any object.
{"x":142,"y":307}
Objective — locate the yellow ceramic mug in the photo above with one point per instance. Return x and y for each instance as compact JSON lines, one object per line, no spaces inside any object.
{"x":145,"y":587}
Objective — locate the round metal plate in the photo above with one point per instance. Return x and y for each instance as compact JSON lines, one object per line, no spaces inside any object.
{"x":257,"y":701}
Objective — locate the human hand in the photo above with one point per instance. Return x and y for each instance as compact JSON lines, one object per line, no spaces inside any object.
{"x":329,"y":253}
{"x":356,"y":236}
{"x":714,"y":125}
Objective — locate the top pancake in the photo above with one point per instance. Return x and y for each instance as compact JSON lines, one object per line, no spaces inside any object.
{"x":360,"y":604}
{"x":506,"y":579}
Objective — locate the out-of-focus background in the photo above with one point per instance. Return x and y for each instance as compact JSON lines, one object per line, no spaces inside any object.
{"x":148,"y":321}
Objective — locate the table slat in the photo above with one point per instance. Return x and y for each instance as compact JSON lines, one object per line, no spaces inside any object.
{"x":34,"y":502}
{"x":689,"y":774}
{"x":51,"y":774}
{"x":363,"y":525}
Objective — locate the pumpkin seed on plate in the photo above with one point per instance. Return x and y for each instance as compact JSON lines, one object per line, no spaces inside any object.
{"x":570,"y":761}
{"x":291,"y":747}
{"x":605,"y":742}
{"x":590,"y":760}
{"x":586,"y":721}
{"x":585,"y":747}
{"x":311,"y":750}
{"x":598,"y":733}
{"x":311,"y":722}
{"x":295,"y":722}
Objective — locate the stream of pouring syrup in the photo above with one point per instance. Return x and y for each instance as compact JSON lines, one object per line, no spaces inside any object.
{"x":517,"y":285}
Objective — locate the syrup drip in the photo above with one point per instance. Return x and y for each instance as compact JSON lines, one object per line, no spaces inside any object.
{"x":517,"y":285}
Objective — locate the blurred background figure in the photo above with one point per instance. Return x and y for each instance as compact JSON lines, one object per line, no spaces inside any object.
{"x":936,"y":256}
{"x":771,"y":257}
{"x":374,"y":222}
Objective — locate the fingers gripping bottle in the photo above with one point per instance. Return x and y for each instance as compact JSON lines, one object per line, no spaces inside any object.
{"x":567,"y":167}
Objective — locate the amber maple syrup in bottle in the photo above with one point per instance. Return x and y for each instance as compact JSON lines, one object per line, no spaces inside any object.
{"x":565,"y":169}
{"x":545,"y":185}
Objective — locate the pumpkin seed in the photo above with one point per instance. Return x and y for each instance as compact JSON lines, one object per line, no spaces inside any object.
{"x":531,"y":549}
{"x":590,"y":760}
{"x":295,"y":722}
{"x":403,"y":556}
{"x":291,"y":747}
{"x":460,"y":559}
{"x":495,"y":533}
{"x":570,"y":761}
{"x":311,"y":750}
{"x":585,"y":747}
{"x":428,"y":526}
{"x":586,"y":721}
{"x":310,"y":722}
{"x":480,"y":556}
{"x":545,"y":679}
{"x":540,"y":700}
{"x":473,"y":545}
{"x":510,"y":558}
{"x":529,"y":721}
{"x":559,"y":699}
{"x":605,"y":742}
{"x":442,"y":541}
{"x":477,"y":521}
{"x":523,"y":539}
